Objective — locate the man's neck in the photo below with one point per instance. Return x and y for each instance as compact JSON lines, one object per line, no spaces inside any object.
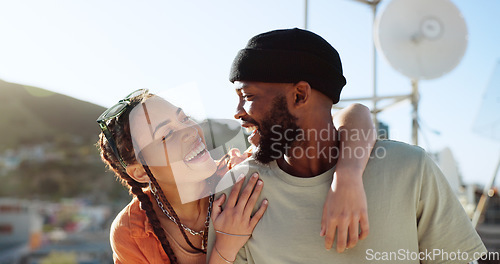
{"x":315,"y":154}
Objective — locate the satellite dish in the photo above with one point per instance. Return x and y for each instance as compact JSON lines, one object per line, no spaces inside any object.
{"x":422,"y":39}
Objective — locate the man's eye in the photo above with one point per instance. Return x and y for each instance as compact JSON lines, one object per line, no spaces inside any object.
{"x":247,"y":97}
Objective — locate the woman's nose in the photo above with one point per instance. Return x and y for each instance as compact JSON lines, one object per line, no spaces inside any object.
{"x":189,"y":133}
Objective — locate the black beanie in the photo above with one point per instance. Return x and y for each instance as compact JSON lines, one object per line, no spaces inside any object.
{"x":290,"y":56}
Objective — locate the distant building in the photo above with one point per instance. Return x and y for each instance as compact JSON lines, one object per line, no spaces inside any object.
{"x":383,"y":130}
{"x":489,"y":228}
{"x":465,"y":193}
{"x":20,"y":229}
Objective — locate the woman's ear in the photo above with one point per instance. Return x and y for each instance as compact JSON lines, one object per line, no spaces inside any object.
{"x":301,"y":93}
{"x":137,"y":172}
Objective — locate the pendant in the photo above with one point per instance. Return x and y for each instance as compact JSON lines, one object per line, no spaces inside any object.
{"x":203,"y":246}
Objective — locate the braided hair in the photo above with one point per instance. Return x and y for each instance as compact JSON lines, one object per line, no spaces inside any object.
{"x":120,"y":130}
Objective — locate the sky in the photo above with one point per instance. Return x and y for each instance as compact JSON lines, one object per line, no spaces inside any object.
{"x":100,"y":50}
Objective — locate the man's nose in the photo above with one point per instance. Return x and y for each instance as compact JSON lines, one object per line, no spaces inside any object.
{"x":240,"y":111}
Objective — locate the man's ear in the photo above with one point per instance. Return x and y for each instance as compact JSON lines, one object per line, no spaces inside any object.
{"x":137,"y":172}
{"x":301,"y":93}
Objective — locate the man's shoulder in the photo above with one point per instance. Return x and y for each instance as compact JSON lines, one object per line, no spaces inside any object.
{"x":249,"y":163}
{"x":245,"y":168}
{"x":395,"y":151}
{"x":397,"y":146}
{"x":394,"y":159}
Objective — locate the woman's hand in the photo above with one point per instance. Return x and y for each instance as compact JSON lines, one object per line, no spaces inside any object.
{"x":236,"y":157}
{"x":235,"y":224}
{"x":345,"y":211}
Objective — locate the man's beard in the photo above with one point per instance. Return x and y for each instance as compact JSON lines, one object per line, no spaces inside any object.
{"x":279,"y":121}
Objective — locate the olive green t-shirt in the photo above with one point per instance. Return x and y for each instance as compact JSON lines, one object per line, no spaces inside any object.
{"x":414,"y":215}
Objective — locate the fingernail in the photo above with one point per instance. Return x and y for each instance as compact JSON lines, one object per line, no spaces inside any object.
{"x":255,"y":175}
{"x":265,"y":201}
{"x":259,"y":182}
{"x":240,"y":177}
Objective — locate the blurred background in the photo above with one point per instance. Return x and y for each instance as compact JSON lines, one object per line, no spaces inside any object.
{"x":62,"y":63}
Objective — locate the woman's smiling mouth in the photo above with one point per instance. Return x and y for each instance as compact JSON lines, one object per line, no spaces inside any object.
{"x":197,"y":153}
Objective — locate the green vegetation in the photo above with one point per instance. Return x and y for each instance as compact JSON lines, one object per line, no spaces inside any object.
{"x":80,"y":173}
{"x":60,"y":258}
{"x":30,"y":115}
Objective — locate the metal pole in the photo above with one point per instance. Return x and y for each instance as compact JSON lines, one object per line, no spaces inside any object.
{"x":414,"y":101}
{"x":305,"y":13}
{"x":375,"y":110}
{"x":481,"y":205}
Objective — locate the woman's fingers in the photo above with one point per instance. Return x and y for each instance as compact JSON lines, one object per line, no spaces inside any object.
{"x":258,"y":215}
{"x":234,"y":152}
{"x":217,"y":206}
{"x":253,"y":198}
{"x":247,"y":191}
{"x":353,"y":232}
{"x":329,"y":233}
{"x":342,"y":229}
{"x":233,"y":196}
{"x":348,"y":231}
{"x":364,"y":224}
{"x":324,"y":220}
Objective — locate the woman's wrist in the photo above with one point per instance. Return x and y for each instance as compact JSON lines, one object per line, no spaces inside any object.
{"x":222,"y":257}
{"x":349,"y":172}
{"x":226,"y":251}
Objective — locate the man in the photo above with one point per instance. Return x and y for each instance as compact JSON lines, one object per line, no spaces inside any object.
{"x":287,"y":81}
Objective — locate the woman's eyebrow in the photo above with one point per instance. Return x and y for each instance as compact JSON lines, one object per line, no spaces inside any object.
{"x":164,"y":123}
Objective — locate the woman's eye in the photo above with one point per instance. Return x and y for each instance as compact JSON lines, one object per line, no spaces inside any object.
{"x":185,"y":119}
{"x":167,"y":136}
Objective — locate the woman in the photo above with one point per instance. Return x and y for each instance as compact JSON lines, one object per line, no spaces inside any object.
{"x":159,"y":153}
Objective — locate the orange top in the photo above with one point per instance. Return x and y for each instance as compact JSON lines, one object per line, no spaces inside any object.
{"x":133,"y":240}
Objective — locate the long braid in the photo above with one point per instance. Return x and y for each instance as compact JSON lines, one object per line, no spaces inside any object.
{"x":147,"y":206}
{"x":135,"y":188}
{"x":171,"y":210}
{"x":120,"y":129}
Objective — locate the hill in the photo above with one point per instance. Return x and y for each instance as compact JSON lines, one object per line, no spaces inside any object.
{"x":47,"y":146}
{"x":31,"y":115}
